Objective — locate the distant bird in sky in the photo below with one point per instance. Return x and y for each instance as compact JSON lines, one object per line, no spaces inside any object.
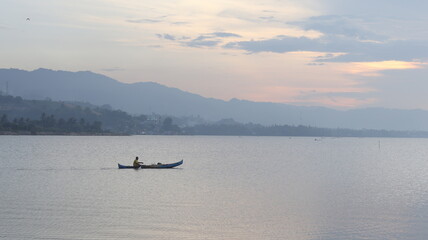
{"x":28,"y":19}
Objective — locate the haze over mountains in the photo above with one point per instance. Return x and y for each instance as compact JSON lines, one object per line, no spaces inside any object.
{"x":149,"y":97}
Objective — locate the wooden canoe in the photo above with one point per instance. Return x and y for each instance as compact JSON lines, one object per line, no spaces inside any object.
{"x":159,"y":165}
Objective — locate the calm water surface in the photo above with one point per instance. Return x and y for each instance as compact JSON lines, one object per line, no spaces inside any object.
{"x":66,"y":187}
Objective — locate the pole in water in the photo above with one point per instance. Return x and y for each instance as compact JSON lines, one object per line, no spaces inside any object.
{"x":379,"y":144}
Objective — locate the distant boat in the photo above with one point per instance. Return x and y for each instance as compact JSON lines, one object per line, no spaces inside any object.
{"x":159,"y":165}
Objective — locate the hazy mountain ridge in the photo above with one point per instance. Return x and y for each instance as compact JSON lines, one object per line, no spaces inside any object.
{"x":19,"y":115}
{"x":47,"y":117}
{"x":149,"y":97}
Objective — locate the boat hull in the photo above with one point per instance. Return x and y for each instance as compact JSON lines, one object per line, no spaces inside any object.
{"x":169,"y":165}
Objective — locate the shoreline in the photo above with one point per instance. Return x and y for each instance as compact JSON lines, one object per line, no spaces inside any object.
{"x":317,"y":138}
{"x":27,"y":133}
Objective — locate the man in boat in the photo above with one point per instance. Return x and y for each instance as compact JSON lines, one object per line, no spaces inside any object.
{"x":136,"y":163}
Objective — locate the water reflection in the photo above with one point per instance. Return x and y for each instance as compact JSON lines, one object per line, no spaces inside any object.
{"x":228,"y":188}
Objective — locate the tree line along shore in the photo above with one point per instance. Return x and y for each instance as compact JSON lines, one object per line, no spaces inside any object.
{"x":47,"y":117}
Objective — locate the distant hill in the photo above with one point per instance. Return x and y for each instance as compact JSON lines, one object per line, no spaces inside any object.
{"x":149,"y":97}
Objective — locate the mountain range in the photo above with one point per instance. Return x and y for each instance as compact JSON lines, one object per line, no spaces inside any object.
{"x":150,"y":97}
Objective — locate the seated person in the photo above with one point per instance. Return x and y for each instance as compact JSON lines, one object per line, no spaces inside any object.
{"x":136,"y":163}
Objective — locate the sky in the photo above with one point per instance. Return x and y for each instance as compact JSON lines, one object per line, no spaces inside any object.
{"x":341,"y":54}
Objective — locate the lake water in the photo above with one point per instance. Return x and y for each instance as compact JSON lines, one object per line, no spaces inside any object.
{"x":69,"y":187}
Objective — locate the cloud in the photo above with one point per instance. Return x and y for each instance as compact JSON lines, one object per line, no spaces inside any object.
{"x":373,"y":68}
{"x":226,"y":34}
{"x":210,"y":39}
{"x":340,"y":25}
{"x":200,"y":42}
{"x":180,"y":23}
{"x":166,"y":36}
{"x":396,"y":8}
{"x":202,"y":38}
{"x":399,"y":50}
{"x":205,"y":40}
{"x":353,"y":49}
{"x":146,"y":20}
{"x":399,"y":88}
{"x":280,"y":44}
{"x":315,"y":64}
{"x":348,"y":38}
{"x":269,"y":18}
{"x":169,"y":37}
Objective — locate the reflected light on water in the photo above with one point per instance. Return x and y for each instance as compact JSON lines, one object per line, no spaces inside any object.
{"x":228,"y":188}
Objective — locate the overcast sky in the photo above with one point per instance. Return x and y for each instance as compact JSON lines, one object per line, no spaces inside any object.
{"x":335,"y":53}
